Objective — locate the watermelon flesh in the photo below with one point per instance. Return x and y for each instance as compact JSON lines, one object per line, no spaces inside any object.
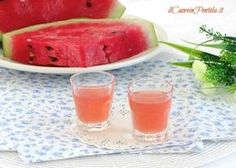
{"x":66,"y":52}
{"x":80,"y":43}
{"x":15,"y":14}
{"x":86,"y":50}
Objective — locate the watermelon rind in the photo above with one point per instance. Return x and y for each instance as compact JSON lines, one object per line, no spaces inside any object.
{"x":147,"y":27}
{"x":117,"y":11}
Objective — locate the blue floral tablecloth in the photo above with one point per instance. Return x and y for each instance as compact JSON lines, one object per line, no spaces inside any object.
{"x":37,"y":111}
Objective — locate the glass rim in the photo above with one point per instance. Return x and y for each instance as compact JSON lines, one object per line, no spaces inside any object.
{"x":99,"y":72}
{"x":169,"y":91}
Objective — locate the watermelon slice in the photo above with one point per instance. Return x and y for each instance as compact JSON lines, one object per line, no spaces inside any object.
{"x":15,"y":14}
{"x":80,"y":42}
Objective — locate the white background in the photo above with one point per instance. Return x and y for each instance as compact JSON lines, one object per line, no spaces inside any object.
{"x":185,"y":25}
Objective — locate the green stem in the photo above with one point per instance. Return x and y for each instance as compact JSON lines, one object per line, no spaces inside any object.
{"x":224,"y":46}
{"x":188,"y":64}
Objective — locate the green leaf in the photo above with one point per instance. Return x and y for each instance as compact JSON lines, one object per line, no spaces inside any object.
{"x":219,"y":74}
{"x":188,"y":64}
{"x":228,"y":57}
{"x":193,"y":52}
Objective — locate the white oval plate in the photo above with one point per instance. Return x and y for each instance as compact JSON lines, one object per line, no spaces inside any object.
{"x":144,"y":56}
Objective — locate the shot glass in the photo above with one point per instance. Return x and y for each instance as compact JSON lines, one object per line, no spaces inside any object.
{"x":150,"y":104}
{"x":93,"y":93}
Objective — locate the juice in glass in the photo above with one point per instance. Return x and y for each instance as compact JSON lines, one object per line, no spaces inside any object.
{"x":93,"y":93}
{"x":93,"y":104}
{"x":150,"y":103}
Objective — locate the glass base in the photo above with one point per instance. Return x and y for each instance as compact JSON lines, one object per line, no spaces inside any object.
{"x":151,"y":138}
{"x":95,"y":127}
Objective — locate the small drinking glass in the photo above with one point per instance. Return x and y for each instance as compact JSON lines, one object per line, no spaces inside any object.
{"x":93,"y":93}
{"x":150,"y":103}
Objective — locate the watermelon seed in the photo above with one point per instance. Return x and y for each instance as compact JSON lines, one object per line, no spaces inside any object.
{"x":31,"y":54}
{"x":107,"y":53}
{"x":89,"y":3}
{"x":31,"y":57}
{"x":30,"y":46}
{"x":53,"y":59}
{"x":49,"y":48}
{"x":104,"y":47}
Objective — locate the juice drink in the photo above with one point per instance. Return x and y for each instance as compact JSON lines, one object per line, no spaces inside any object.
{"x":93,"y":104}
{"x":150,"y":110}
{"x":93,"y":93}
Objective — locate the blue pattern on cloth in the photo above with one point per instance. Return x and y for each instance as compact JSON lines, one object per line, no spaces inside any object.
{"x":37,"y":110}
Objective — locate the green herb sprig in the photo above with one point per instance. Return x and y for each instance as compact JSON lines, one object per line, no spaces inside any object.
{"x":214,"y":71}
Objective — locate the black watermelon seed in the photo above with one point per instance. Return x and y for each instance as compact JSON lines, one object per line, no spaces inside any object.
{"x":29,"y":46}
{"x":31,"y":57}
{"x":49,"y":48}
{"x":104,"y":47}
{"x":53,"y":59}
{"x":89,"y":4}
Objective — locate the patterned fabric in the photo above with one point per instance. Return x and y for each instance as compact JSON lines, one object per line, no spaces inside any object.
{"x":37,"y":113}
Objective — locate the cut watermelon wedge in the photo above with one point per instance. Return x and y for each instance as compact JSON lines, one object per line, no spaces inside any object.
{"x":15,"y":14}
{"x":80,"y":42}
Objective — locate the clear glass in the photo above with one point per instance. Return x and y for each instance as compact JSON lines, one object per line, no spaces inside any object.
{"x":150,"y":104}
{"x":93,"y":93}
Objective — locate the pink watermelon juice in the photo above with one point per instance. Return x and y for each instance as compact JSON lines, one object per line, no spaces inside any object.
{"x":150,"y":110}
{"x":93,"y":93}
{"x":15,"y":14}
{"x":150,"y":103}
{"x":93,"y":104}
